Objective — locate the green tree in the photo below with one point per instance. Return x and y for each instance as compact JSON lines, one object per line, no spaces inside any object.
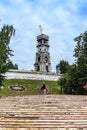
{"x":80,"y":50}
{"x":68,"y":80}
{"x":76,"y":75}
{"x":15,"y":66}
{"x":6,"y":33}
{"x":80,"y":53}
{"x":10,"y":65}
{"x":63,"y":65}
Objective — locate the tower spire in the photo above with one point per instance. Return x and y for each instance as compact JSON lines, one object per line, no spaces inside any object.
{"x":61,"y":57}
{"x":41,"y":29}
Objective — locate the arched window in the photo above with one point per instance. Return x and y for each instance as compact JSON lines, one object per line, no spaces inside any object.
{"x":38,"y":68}
{"x":39,"y":58}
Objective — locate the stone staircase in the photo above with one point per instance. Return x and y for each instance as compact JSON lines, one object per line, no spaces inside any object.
{"x":43,"y":112}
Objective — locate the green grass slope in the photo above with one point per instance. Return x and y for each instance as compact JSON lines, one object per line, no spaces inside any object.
{"x":30,"y":87}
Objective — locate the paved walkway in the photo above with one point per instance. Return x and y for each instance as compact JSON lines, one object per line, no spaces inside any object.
{"x":43,"y":112}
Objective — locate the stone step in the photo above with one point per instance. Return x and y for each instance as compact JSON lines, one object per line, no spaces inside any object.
{"x":45,"y":112}
{"x":57,"y":114}
{"x":43,"y":129}
{"x":44,"y":123}
{"x":11,"y":126}
{"x":44,"y":117}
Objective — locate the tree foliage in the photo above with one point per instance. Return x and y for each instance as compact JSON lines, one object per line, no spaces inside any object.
{"x":77,"y":73}
{"x":6,"y":33}
{"x":10,"y":65}
{"x":64,"y":66}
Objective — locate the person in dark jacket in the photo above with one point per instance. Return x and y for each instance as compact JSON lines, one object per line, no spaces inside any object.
{"x":43,"y":86}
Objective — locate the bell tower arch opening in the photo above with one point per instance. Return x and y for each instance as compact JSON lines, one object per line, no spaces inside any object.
{"x":47,"y":68}
{"x":38,"y":68}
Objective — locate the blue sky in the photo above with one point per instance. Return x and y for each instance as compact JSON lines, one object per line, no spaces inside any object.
{"x":62,"y":20}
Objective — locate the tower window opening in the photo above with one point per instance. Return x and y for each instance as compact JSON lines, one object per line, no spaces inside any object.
{"x":47,"y":68}
{"x":38,"y":68}
{"x":39,"y":58}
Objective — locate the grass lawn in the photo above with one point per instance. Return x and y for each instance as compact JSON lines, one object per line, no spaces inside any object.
{"x":30,"y":87}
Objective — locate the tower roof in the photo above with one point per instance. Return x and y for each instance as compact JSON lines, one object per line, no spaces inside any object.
{"x":43,"y":36}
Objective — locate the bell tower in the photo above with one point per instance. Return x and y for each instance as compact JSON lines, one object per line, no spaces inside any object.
{"x":42,"y":63}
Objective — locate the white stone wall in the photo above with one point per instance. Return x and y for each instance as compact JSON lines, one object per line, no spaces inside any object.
{"x":26,"y":75}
